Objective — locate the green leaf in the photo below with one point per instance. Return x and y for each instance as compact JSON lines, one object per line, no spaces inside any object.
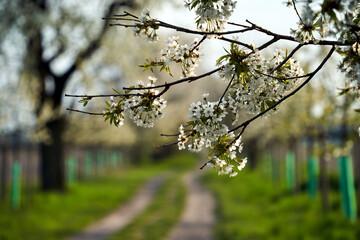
{"x":194,"y":4}
{"x":167,"y":69}
{"x":116,"y":91}
{"x":108,"y":104}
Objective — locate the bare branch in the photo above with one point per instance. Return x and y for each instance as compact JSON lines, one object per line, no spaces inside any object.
{"x":293,"y":1}
{"x":189,"y":79}
{"x":89,"y":113}
{"x":103,"y":95}
{"x":227,"y":88}
{"x":287,"y":58}
{"x":290,"y":38}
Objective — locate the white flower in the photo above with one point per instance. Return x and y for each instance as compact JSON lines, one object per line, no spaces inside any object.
{"x":212,"y":15}
{"x":242,"y":164}
{"x":233,"y":174}
{"x":209,"y":164}
{"x":232,"y":155}
{"x":220,"y":162}
{"x":228,"y":169}
{"x":208,"y":111}
{"x":356,"y":48}
{"x":145,"y":12}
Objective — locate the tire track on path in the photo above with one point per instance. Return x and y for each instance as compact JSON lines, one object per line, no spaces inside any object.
{"x":122,"y":216}
{"x":198,"y":217}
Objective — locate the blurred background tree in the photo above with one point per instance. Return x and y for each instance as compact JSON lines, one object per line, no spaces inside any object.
{"x":49,"y":41}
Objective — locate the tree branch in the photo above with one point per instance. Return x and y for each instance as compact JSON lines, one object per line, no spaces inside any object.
{"x":287,"y":58}
{"x":89,"y":113}
{"x":103,"y":95}
{"x":246,"y":123}
{"x":189,"y":79}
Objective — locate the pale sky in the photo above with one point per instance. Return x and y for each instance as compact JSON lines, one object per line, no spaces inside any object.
{"x":272,"y":15}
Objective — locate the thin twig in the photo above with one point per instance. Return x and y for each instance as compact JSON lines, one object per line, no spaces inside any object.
{"x":287,"y":58}
{"x":199,"y":43}
{"x":103,"y":95}
{"x":283,"y":78}
{"x":173,"y":135}
{"x":89,"y":113}
{"x":204,"y":165}
{"x":227,"y":88}
{"x":167,"y":145}
{"x":290,"y":38}
{"x":189,"y":79}
{"x":293,"y":1}
{"x":237,"y":42}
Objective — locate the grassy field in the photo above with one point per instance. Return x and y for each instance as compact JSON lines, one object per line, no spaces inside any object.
{"x":53,"y":216}
{"x":251,"y":207}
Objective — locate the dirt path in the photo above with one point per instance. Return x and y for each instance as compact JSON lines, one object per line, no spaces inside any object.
{"x":121,"y":217}
{"x":198,"y":217}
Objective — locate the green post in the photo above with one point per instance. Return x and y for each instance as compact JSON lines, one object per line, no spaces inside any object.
{"x":313,"y":169}
{"x":100,"y":161}
{"x":347,"y":187}
{"x":88,"y":165}
{"x":71,"y":168}
{"x":113,"y":159}
{"x":15,"y":185}
{"x":290,"y":170}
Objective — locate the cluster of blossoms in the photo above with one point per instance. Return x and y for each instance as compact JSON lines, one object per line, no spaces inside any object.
{"x":207,"y":130}
{"x":146,"y":26}
{"x":187,"y":56}
{"x":222,"y":150}
{"x":257,"y":83}
{"x":223,"y":155}
{"x":211,"y":15}
{"x":311,"y":26}
{"x":144,"y":107}
{"x":206,"y":124}
{"x":350,"y":64}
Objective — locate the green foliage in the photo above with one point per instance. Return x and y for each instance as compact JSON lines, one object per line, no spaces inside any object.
{"x":235,"y":57}
{"x":249,"y":207}
{"x":151,"y":64}
{"x":85,"y":100}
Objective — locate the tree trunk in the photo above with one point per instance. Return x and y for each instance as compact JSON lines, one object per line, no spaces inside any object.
{"x":52,"y":160}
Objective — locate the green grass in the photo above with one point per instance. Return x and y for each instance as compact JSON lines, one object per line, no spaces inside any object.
{"x":54,"y":216}
{"x":161,"y":215}
{"x":250,"y":207}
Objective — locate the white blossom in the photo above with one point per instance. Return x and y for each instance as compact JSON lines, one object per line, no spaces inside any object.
{"x":212,"y":15}
{"x":187,"y":56}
